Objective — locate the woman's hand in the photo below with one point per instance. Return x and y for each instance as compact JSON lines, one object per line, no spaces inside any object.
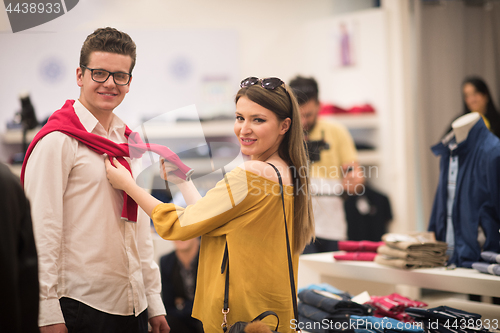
{"x":166,"y":168}
{"x":118,"y":176}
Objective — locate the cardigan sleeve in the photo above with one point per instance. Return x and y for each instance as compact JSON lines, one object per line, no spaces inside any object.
{"x":217,"y":213}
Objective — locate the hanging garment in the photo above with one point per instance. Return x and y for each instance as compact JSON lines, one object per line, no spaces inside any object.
{"x":367,"y":215}
{"x":477,"y":195}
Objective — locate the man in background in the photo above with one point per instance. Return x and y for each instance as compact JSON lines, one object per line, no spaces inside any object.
{"x":179,"y":270}
{"x":18,"y":260}
{"x":334,"y":168}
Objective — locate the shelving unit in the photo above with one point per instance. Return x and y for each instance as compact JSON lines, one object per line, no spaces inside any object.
{"x":12,"y":141}
{"x":364,"y":128}
{"x":15,"y":136}
{"x":322,"y":267}
{"x":176,"y":133}
{"x":355,"y":121}
{"x":190,"y":129}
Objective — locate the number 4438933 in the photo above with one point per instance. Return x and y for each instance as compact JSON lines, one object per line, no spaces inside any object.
{"x":33,"y":8}
{"x":471,"y":324}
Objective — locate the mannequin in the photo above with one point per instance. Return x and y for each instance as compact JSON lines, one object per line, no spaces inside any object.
{"x":468,"y":196}
{"x":463,"y":125}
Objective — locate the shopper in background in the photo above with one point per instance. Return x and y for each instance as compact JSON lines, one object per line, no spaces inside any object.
{"x":97,"y":272}
{"x":18,"y":261}
{"x":245,"y":210}
{"x":477,"y":98}
{"x":178,"y":278}
{"x":335,"y":173}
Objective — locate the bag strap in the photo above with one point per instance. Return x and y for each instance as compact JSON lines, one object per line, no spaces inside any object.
{"x":289,"y":252}
{"x":225,"y":263}
{"x":225,"y":309}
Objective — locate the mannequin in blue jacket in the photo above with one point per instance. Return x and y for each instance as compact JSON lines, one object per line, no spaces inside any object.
{"x":468,"y":207}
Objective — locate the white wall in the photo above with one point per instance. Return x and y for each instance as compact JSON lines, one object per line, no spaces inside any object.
{"x":263,"y":41}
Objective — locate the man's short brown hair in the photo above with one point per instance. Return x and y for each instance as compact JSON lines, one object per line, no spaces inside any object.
{"x":108,"y":40}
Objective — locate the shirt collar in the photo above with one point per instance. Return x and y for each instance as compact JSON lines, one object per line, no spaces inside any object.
{"x":476,"y":133}
{"x":90,"y":122}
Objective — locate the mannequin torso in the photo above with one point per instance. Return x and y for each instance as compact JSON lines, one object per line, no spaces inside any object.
{"x":463,"y":125}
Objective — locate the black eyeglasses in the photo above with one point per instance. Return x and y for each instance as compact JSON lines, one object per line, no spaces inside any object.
{"x":102,"y":75}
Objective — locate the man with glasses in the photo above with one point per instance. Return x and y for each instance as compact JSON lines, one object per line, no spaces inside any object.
{"x":96,"y":267}
{"x":334,"y":168}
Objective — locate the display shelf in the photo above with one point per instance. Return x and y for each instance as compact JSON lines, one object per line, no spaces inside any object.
{"x":355,"y":121}
{"x":15,"y":168}
{"x":368,"y":157}
{"x":215,"y":128}
{"x":15,"y":136}
{"x":313,"y":267}
{"x":364,"y":128}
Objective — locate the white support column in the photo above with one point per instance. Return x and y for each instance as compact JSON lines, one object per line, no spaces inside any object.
{"x":399,"y":126}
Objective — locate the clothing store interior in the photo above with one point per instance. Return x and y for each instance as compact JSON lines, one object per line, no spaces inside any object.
{"x":401,"y":135}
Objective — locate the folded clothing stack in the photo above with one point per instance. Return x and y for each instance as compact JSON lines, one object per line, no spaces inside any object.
{"x":394,"y":306}
{"x":382,"y":325}
{"x":491,"y":264}
{"x":444,"y":319}
{"x":357,"y":250}
{"x":417,"y":250}
{"x":321,"y":310}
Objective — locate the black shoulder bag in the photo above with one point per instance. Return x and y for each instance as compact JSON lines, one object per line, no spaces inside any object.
{"x":239,"y":326}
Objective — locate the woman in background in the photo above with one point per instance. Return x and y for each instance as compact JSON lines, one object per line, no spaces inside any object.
{"x":477,"y":98}
{"x":244,"y":210}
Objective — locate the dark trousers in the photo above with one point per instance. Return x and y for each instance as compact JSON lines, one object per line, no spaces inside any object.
{"x":81,"y":318}
{"x":321,"y":245}
{"x":184,"y":325}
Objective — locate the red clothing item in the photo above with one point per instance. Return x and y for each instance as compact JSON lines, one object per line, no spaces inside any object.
{"x":356,"y":256}
{"x":365,"y":108}
{"x":66,"y":121}
{"x":362,"y":246}
{"x":394,"y":306}
{"x":329,"y":109}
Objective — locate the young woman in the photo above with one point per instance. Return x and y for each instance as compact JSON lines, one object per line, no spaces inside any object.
{"x":477,"y":98}
{"x":245,"y":210}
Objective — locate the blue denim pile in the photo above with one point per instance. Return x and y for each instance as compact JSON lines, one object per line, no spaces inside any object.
{"x":370,"y":324}
{"x":323,"y":308}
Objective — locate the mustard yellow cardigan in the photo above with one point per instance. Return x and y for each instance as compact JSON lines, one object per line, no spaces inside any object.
{"x":246,"y":211}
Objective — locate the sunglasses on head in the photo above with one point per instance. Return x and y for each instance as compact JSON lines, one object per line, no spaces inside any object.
{"x":269,"y":83}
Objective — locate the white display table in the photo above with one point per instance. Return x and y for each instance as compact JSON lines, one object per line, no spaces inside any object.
{"x":312,"y":267}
